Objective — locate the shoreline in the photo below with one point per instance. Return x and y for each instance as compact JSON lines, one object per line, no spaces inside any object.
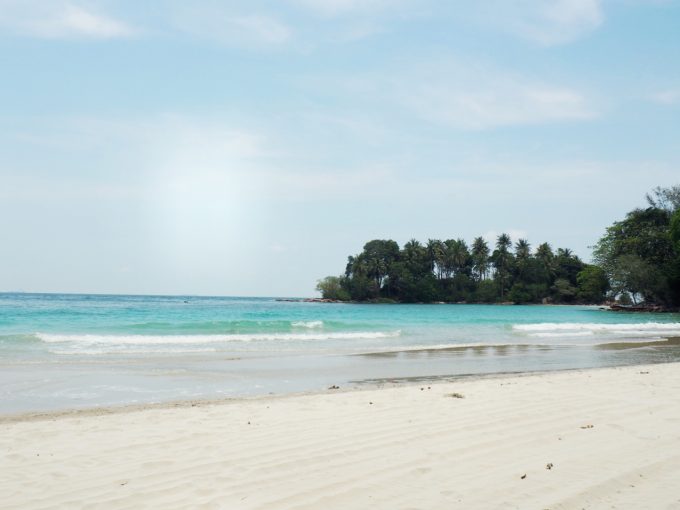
{"x":372,"y":369}
{"x":357,"y":386}
{"x":539,"y":440}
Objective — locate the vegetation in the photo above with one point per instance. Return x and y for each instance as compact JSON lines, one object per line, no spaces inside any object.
{"x":637,"y":260}
{"x":640,"y":255}
{"x":452,"y":271}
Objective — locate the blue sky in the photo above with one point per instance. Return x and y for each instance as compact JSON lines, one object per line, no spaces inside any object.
{"x":246,"y":148}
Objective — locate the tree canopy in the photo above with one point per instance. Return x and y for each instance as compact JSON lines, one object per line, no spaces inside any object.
{"x":637,"y":259}
{"x":640,"y":254}
{"x":450,"y":270}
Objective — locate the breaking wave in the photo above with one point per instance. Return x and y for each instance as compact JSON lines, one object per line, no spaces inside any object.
{"x":307,"y":324}
{"x":91,"y":339}
{"x":575,"y":329}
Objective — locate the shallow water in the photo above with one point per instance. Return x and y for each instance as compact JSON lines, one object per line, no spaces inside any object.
{"x":68,"y":351}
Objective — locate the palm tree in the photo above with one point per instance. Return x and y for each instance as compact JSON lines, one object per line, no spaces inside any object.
{"x":522,"y":254}
{"x":435,"y":249}
{"x":460,"y":256}
{"x":502,"y":260}
{"x":545,"y":255}
{"x":449,"y":257}
{"x":503,"y":242}
{"x":415,"y":256}
{"x":480,"y":257}
{"x":412,"y":249}
{"x":522,"y":249}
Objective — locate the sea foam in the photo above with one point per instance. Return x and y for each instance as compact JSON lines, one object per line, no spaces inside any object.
{"x":585,"y":326}
{"x":91,"y":339}
{"x":307,"y":324}
{"x":575,"y":329}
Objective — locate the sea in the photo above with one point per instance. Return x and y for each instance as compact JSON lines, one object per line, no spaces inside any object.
{"x":66,"y":351}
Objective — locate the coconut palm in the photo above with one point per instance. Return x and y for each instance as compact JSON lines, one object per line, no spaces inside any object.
{"x":480,"y":257}
{"x":522,"y":249}
{"x":435,"y":250}
{"x":502,"y":258}
{"x":460,"y":256}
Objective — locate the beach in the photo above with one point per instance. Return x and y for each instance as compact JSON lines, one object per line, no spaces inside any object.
{"x":600,"y":438}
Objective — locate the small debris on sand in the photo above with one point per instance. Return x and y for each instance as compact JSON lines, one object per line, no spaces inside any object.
{"x":549,"y":465}
{"x":523,"y":476}
{"x":589,"y":426}
{"x":455,"y":395}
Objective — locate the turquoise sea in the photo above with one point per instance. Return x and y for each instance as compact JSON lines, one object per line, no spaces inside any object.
{"x":74,"y":351}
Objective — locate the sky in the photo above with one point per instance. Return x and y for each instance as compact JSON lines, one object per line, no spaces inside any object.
{"x":248,"y":147}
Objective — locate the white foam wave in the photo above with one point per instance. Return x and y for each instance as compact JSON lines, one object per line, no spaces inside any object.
{"x":670,"y":327}
{"x":203,"y":339}
{"x":441,"y":347}
{"x":307,"y":324}
{"x":562,"y":335}
{"x":108,"y":350}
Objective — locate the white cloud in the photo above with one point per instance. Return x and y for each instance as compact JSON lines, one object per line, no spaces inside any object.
{"x":263,"y":29}
{"x":669,"y":97}
{"x":547,"y":22}
{"x":494,"y":104}
{"x":360,"y":30}
{"x":58,"y":19}
{"x":464,"y":95}
{"x":230,"y":27}
{"x":345,"y":7}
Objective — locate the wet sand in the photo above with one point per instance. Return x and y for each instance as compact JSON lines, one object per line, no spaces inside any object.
{"x":604,"y":438}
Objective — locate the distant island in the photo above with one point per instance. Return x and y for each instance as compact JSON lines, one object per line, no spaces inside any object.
{"x":636,"y":264}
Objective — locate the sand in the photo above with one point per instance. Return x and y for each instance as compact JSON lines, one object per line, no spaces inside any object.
{"x":605,"y":438}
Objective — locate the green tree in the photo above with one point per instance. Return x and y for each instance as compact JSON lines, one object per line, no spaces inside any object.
{"x":502,"y":260}
{"x":635,"y":276}
{"x":666,"y":199}
{"x":480,"y":258}
{"x":592,"y":284}
{"x":638,"y":256}
{"x":522,"y":259}
{"x":459,"y":256}
{"x":567,"y":265}
{"x":332,"y":287}
{"x":546,"y":258}
{"x":563,"y":291}
{"x":435,"y":250}
{"x":675,"y":231}
{"x":379,"y":255}
{"x":415,"y":257}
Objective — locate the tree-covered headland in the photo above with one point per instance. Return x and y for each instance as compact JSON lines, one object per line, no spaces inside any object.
{"x":640,"y":255}
{"x":637,"y":260}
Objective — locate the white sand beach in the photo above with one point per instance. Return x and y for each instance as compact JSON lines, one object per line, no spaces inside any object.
{"x":605,"y":438}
